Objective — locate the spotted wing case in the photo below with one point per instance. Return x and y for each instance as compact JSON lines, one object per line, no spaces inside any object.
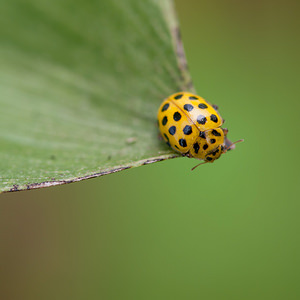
{"x":182,"y":117}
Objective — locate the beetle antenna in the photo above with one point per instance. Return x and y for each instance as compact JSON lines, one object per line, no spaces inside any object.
{"x":227,"y":148}
{"x":192,"y":169}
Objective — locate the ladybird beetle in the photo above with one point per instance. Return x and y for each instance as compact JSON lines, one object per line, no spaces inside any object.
{"x":192,"y":127}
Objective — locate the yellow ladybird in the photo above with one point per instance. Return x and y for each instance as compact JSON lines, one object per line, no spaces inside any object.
{"x":192,"y":127}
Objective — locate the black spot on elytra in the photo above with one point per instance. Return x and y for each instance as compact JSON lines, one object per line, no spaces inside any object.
{"x":172,"y":130}
{"x":182,"y":142}
{"x":176,"y":147}
{"x":209,"y":158}
{"x":201,"y":119}
{"x":202,"y":105}
{"x":213,"y":141}
{"x":168,"y":144}
{"x":196,"y":147}
{"x":164,"y":120}
{"x":193,"y":98}
{"x":214,"y":118}
{"x":205,"y":147}
{"x":215,"y":152}
{"x":187,"y":130}
{"x":216,"y":133}
{"x":165,"y":107}
{"x":177,"y":97}
{"x":177,"y":116}
{"x":166,"y":137}
{"x":202,"y":134}
{"x":188,"y":107}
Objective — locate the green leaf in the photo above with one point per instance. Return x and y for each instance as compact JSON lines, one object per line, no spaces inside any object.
{"x":80,"y":85}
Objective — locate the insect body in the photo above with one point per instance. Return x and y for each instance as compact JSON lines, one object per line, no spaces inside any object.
{"x":192,"y":127}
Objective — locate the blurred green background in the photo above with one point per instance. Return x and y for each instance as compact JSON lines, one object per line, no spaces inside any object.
{"x":228,"y":230}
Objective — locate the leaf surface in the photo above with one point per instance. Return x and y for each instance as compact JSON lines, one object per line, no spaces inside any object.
{"x":80,"y":85}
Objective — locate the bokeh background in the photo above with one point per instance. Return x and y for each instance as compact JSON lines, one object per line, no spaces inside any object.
{"x":229,"y":230}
